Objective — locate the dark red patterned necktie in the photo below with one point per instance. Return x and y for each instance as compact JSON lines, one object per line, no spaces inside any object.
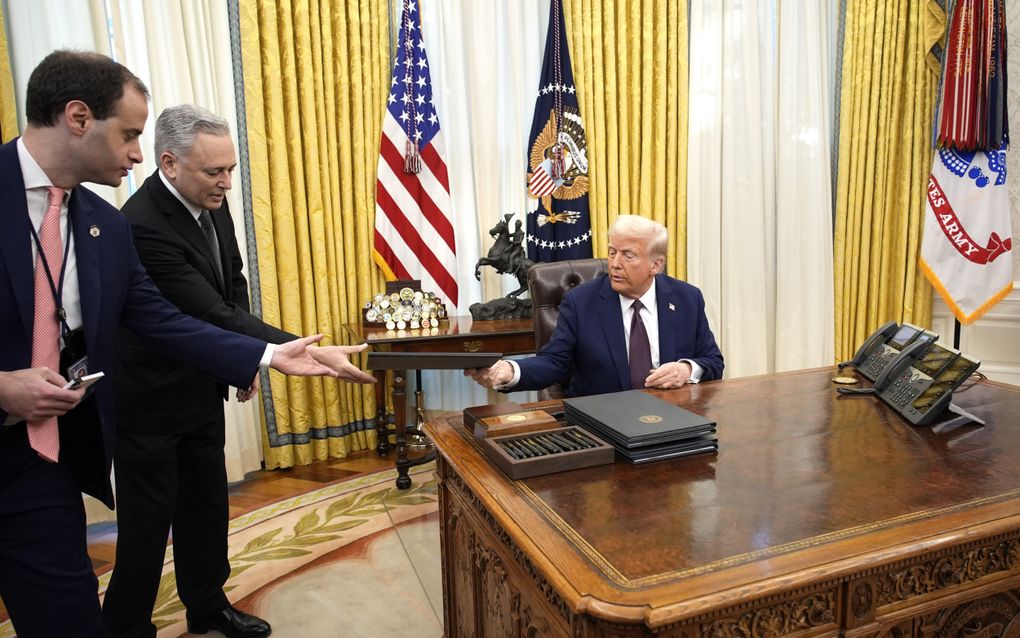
{"x":640,"y":351}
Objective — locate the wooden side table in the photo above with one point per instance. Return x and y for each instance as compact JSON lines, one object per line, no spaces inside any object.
{"x":459,"y":334}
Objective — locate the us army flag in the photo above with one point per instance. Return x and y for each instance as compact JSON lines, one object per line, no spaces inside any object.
{"x":966,"y":251}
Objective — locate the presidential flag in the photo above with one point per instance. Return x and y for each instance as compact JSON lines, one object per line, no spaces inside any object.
{"x":966,"y":251}
{"x":559,"y":223}
{"x":413,"y":215}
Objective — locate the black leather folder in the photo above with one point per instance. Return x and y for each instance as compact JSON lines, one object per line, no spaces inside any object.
{"x":635,"y":419}
{"x":687,"y":447}
{"x":430,"y":360}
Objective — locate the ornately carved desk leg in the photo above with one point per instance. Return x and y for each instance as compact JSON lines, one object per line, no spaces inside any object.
{"x":382,"y":428}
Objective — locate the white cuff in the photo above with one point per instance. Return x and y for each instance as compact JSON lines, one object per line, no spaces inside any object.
{"x":696,"y":371}
{"x":267,"y":356}
{"x":515,"y":380}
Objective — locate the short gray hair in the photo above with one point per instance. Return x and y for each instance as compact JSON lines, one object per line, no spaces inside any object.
{"x":653,"y":232}
{"x":177,"y":126}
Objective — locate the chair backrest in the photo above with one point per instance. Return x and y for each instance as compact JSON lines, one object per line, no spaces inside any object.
{"x":547,"y":283}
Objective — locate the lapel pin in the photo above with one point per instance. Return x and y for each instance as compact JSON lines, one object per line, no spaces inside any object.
{"x":94,"y":230}
{"x":672,"y":307}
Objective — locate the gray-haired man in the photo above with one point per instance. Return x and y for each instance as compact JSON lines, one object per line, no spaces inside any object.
{"x":169,"y":455}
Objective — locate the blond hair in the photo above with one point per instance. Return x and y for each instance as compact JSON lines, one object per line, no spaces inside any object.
{"x":655,"y":234}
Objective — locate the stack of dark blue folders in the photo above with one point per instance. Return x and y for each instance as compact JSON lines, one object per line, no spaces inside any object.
{"x":642,"y":427}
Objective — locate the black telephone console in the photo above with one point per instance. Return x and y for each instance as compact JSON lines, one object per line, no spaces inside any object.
{"x":920,"y":388}
{"x":884,"y":345}
{"x":912,"y":373}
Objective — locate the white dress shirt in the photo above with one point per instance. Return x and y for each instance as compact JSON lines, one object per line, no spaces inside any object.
{"x":37,"y":195}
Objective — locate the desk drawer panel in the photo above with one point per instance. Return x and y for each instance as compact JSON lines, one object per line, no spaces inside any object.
{"x":491,"y":592}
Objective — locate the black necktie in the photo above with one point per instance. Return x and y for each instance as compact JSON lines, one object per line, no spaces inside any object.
{"x":640,"y":351}
{"x":205,"y":221}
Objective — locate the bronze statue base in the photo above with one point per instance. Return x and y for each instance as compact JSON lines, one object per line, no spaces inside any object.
{"x":501,"y":308}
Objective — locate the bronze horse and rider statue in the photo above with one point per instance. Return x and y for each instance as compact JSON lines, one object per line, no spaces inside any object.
{"x":508,"y":256}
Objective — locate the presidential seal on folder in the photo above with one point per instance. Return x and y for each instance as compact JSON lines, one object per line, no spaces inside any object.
{"x":641,"y":426}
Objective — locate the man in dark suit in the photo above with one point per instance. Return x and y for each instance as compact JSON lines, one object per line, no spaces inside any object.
{"x":69,"y":276}
{"x":632,"y":328}
{"x":169,"y":466}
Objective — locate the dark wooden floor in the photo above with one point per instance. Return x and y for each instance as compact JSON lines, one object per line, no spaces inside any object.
{"x":257,"y":489}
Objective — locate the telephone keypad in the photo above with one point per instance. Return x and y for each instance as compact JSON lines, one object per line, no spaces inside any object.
{"x":904,"y":389}
{"x":876,"y":363}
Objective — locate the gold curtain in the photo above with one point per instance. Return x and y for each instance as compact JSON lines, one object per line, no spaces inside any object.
{"x":630,"y":69}
{"x":8,"y":100}
{"x":315,"y":78}
{"x":886,"y":109}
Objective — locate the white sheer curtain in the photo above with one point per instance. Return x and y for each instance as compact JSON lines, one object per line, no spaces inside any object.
{"x":759,"y":233}
{"x":486,"y":58}
{"x":82,"y":27}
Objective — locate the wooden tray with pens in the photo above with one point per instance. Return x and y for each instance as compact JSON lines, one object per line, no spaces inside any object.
{"x":528,"y":454}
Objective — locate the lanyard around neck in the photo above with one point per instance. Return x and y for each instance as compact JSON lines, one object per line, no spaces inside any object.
{"x":56,"y":288}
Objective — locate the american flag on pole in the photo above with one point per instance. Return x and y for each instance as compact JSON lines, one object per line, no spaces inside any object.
{"x":413,"y":214}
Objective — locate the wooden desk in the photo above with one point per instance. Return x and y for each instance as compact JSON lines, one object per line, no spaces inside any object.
{"x":459,"y":334}
{"x":821,"y":515}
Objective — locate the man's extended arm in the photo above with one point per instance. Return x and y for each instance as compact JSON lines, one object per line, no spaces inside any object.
{"x":554,"y":362}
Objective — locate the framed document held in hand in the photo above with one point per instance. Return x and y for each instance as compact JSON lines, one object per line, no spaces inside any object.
{"x":431,"y":360}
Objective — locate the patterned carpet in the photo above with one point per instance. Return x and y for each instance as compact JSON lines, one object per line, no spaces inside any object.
{"x":355,"y":558}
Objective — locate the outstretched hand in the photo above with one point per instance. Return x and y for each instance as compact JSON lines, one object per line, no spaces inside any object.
{"x":336,"y":358}
{"x":293,"y":358}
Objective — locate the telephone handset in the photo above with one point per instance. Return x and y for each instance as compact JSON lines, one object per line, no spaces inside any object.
{"x":883,"y":356}
{"x":872,"y":343}
{"x":901,"y":363}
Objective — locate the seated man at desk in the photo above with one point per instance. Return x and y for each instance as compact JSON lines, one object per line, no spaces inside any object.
{"x":632,"y":328}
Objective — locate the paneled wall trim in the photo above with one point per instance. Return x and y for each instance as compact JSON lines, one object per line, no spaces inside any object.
{"x":994,"y":339}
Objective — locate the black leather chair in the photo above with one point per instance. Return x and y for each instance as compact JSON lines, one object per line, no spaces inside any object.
{"x":547,"y":283}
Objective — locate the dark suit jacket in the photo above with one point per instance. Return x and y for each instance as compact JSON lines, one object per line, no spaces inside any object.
{"x":114,"y":290}
{"x":587,"y":347}
{"x":177,"y":257}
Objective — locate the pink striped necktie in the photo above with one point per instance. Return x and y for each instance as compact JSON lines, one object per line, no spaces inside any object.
{"x":43,"y":435}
